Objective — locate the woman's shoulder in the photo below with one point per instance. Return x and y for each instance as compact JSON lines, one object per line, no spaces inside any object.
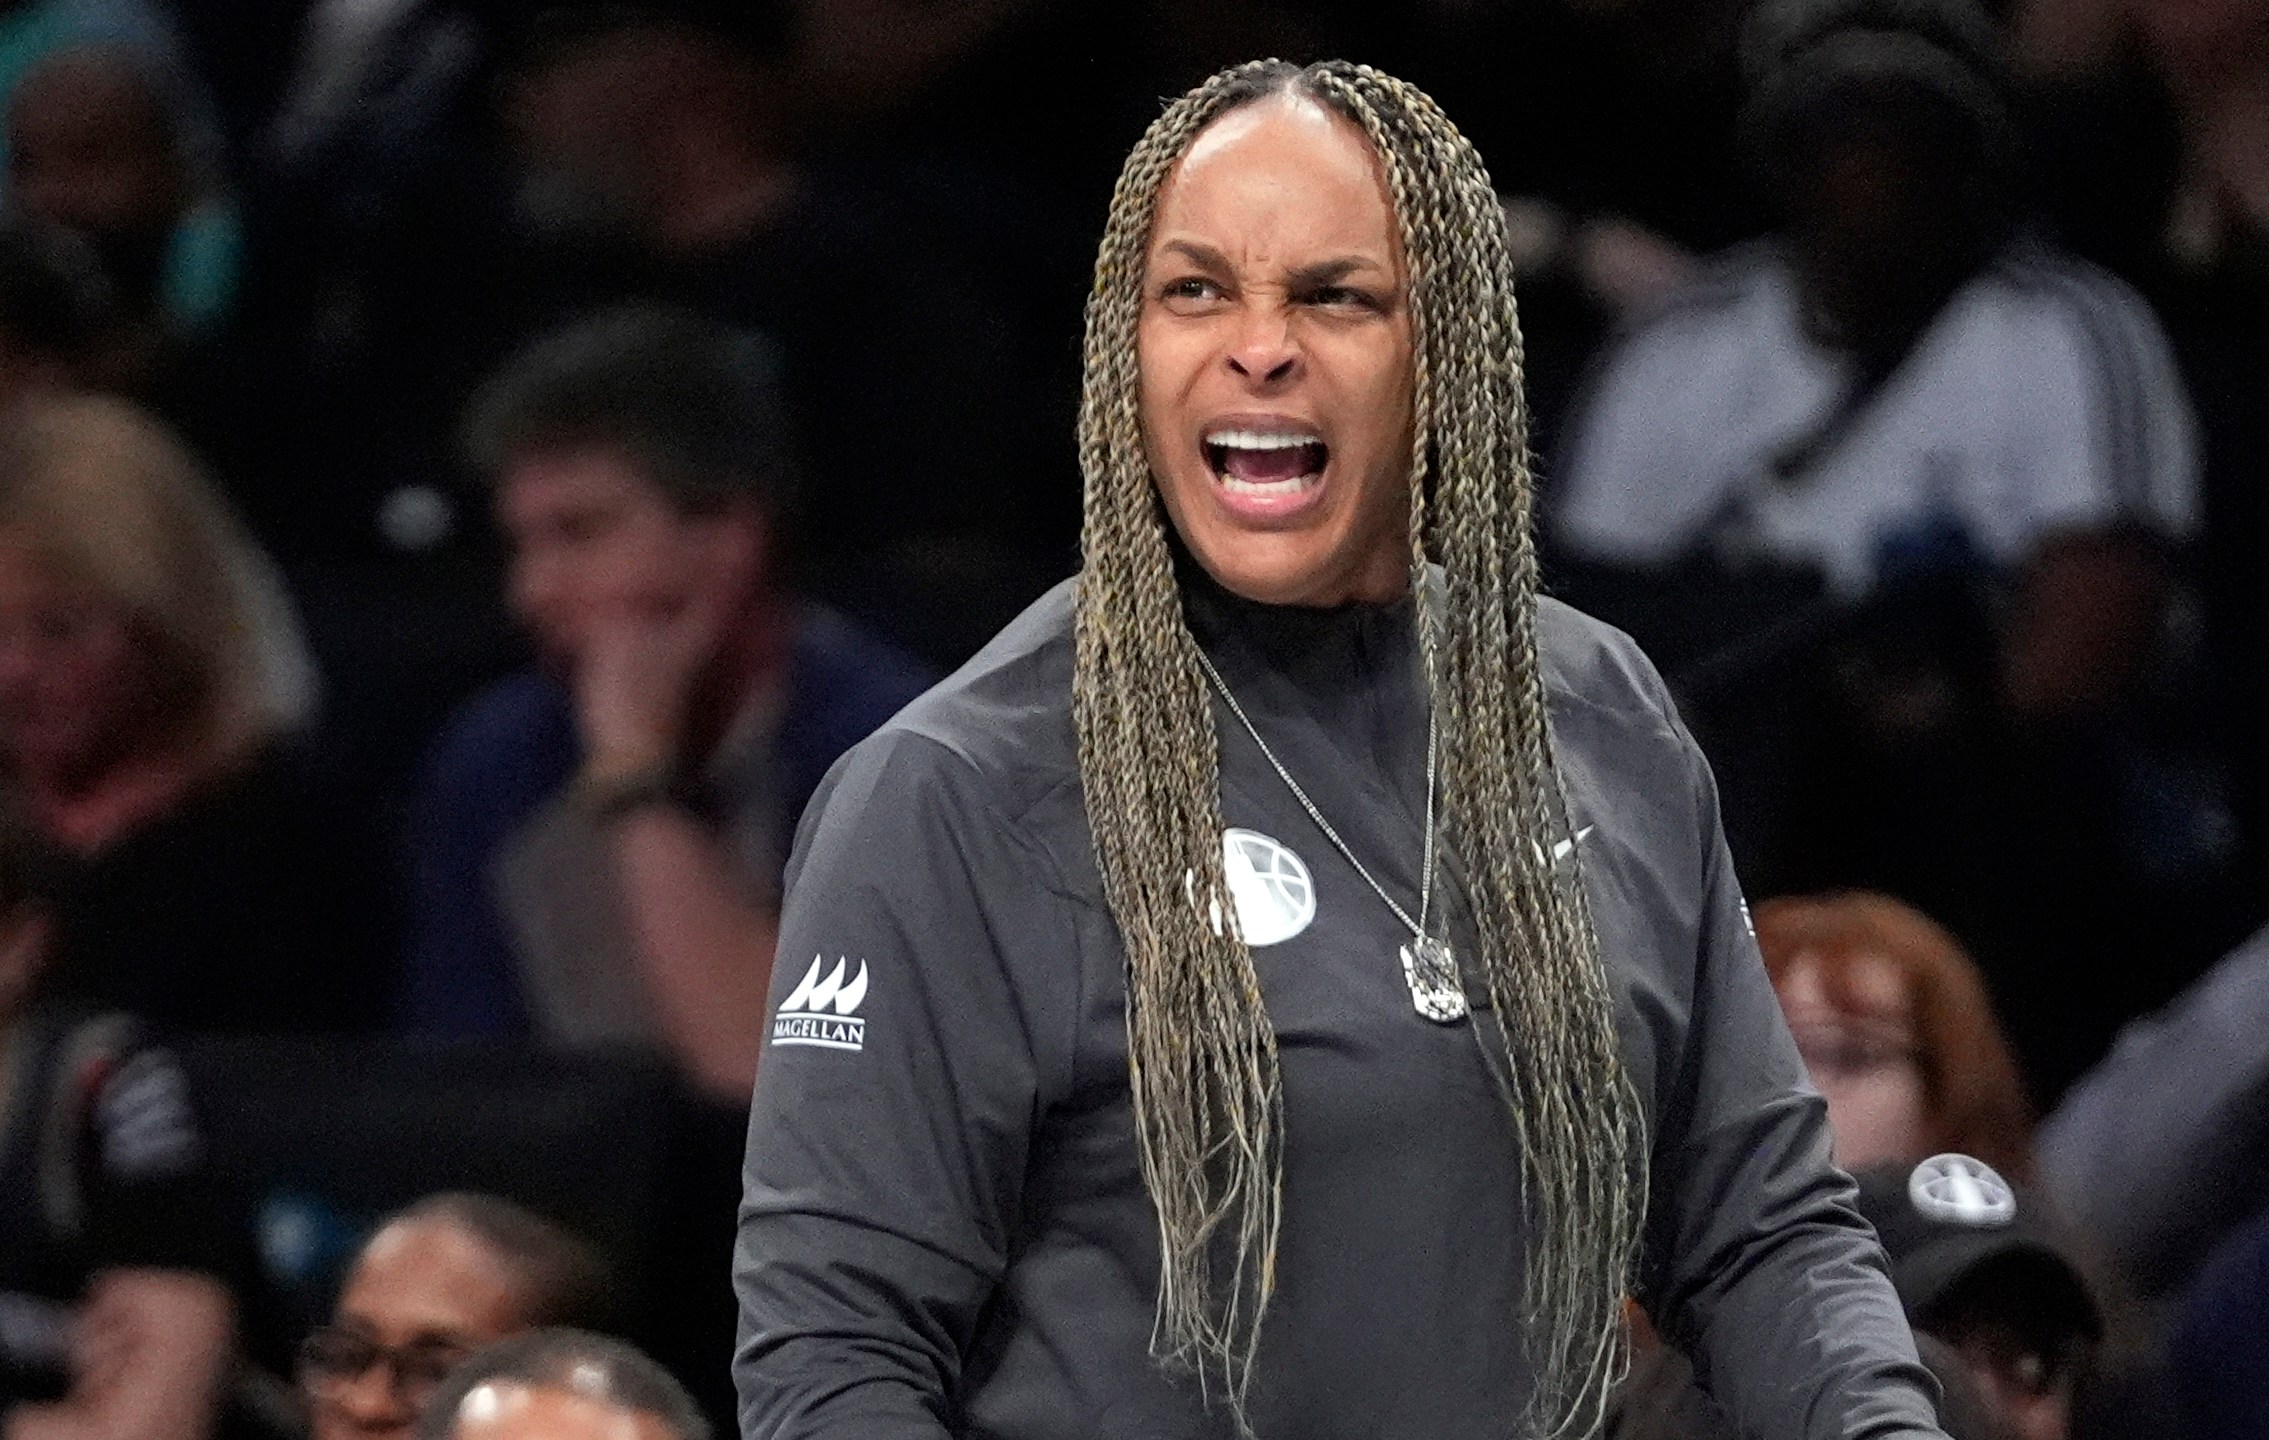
{"x":1627,"y":762}
{"x":1000,"y":726}
{"x":1593,"y":669}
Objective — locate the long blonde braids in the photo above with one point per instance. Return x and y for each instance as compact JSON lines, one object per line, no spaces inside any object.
{"x":1208,"y":1102}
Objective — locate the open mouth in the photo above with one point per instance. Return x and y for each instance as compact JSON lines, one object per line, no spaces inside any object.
{"x":1266,"y":464}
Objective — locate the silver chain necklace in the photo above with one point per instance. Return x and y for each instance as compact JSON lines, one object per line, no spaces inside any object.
{"x":1428,"y":966}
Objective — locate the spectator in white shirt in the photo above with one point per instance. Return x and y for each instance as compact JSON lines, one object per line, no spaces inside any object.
{"x":1896,"y":379}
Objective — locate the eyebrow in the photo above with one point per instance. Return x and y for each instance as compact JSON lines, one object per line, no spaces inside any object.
{"x":1205,"y":257}
{"x":1307,"y":277}
{"x":1331,"y":272}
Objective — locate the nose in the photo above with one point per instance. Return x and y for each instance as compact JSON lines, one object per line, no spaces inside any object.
{"x":1263,"y":351}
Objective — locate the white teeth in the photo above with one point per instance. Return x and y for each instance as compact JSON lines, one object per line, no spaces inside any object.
{"x":1294,"y":485}
{"x":1260,"y":439}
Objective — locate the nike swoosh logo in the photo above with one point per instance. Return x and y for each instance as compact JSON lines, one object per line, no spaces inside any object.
{"x":1566,"y":848}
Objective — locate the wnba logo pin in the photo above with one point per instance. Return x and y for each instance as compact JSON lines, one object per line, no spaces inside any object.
{"x":1269,"y":885}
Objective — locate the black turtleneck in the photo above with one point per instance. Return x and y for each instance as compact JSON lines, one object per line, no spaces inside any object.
{"x":945,"y":1229}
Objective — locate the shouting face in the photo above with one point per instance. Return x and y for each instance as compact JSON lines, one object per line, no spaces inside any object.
{"x":1276,"y":358}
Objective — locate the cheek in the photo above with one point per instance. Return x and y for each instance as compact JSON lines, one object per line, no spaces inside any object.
{"x":610,"y":573}
{"x":655,"y":565}
{"x":544,"y":586}
{"x":1171,"y":369}
{"x":94,"y":674}
{"x":1369,"y":376}
{"x":77,"y":697}
{"x":1876,"y":1115}
{"x":1168,"y":363}
{"x":569,"y":585}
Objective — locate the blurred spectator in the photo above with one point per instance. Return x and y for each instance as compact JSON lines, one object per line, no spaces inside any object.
{"x":2163,"y":1148}
{"x":94,"y":148}
{"x":373,"y":292}
{"x":58,"y":319}
{"x":2218,"y":1343}
{"x":2214,"y":55}
{"x":365,"y":67}
{"x":2208,"y":57}
{"x":651,"y":126}
{"x":151,"y":683}
{"x":33,"y":30}
{"x":1660,"y":1399}
{"x":443,"y":1279}
{"x":597,"y":844}
{"x":1977,"y":1268}
{"x":2204,"y":259}
{"x":112,"y":1323}
{"x":1896,"y":383}
{"x":561,"y":1385}
{"x":1891,"y":496}
{"x":1896,"y":1030}
{"x":1965,"y":1408}
{"x":1580,"y":277}
{"x":653,"y":155}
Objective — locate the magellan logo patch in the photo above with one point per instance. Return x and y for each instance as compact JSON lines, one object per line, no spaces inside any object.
{"x":822,"y":1012}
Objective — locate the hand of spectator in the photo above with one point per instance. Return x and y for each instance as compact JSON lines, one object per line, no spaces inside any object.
{"x":148,"y":1354}
{"x":104,"y":1339}
{"x":636,"y":681}
{"x":129,"y":1315}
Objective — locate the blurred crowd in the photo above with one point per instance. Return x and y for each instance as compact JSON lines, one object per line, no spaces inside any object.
{"x":469,"y":467}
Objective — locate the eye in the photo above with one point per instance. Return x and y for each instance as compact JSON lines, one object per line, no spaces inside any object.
{"x":427,"y":1363}
{"x":1189,"y":290}
{"x":1341,"y":297}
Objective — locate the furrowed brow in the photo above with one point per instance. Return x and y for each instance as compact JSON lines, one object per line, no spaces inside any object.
{"x":1204,"y":256}
{"x":1330,"y":272}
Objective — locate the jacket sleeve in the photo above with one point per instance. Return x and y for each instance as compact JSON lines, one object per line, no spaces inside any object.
{"x":895,"y":1101}
{"x":1758,"y":1263}
{"x":2164,"y":1146}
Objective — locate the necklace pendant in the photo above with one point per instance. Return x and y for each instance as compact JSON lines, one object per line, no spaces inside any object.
{"x":1436,"y":992}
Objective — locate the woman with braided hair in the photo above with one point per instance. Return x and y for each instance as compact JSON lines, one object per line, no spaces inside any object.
{"x":1291,"y":982}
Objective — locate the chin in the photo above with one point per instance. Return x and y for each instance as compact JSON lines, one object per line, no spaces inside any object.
{"x":1274,"y":568}
{"x":1324,"y":556}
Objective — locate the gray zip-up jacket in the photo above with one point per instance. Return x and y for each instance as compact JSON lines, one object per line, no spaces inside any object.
{"x":945,"y":1230}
